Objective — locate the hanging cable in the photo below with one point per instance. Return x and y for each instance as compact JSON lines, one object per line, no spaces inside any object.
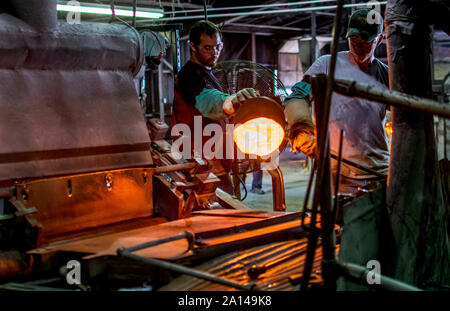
{"x":205,"y":10}
{"x":134,"y":12}
{"x":113,"y":11}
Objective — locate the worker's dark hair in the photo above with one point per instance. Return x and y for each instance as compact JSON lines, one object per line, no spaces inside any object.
{"x":200,"y":28}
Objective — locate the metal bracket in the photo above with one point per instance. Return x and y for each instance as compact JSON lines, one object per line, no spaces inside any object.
{"x":22,"y":210}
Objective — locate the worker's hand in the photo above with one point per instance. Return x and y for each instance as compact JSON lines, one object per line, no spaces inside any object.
{"x":243,"y":95}
{"x":231,"y":104}
{"x":304,"y":142}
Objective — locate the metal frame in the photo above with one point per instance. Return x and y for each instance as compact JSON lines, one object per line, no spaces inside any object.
{"x":128,"y":253}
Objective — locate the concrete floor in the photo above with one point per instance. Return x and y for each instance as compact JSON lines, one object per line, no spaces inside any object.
{"x":296,"y":176}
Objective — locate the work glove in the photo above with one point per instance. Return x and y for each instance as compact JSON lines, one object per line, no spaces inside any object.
{"x":232,"y":103}
{"x":243,"y":95}
{"x":304,"y":142}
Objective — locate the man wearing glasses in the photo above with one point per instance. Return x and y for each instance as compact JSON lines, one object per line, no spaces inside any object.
{"x":365,"y":141}
{"x":198,"y":93}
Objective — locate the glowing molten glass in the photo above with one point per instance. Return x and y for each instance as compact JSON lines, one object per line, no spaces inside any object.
{"x":388,"y":128}
{"x":259,"y":136}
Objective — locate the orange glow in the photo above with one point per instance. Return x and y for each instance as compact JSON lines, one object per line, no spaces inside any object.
{"x":388,"y":128}
{"x":260,"y":136}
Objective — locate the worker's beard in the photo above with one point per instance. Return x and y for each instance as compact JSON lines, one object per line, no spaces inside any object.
{"x":362,"y":56}
{"x":362,"y":59}
{"x":210,"y":61}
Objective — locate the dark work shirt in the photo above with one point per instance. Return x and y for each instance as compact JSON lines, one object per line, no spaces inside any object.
{"x":190,"y":82}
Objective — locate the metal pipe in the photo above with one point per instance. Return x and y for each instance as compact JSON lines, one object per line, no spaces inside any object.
{"x":270,"y":27}
{"x":313,"y":47}
{"x":284,"y":11}
{"x":162,"y":110}
{"x":338,"y":176}
{"x":174,"y":168}
{"x":323,"y":180}
{"x":359,"y":166}
{"x":324,"y":171}
{"x":186,"y":235}
{"x":246,"y":7}
{"x":310,"y":254}
{"x":205,"y":10}
{"x":279,"y":203}
{"x":134,"y":12}
{"x":113,"y":11}
{"x":394,"y":98}
{"x":359,"y":274}
{"x":308,"y":192}
{"x":317,"y":84}
{"x":256,"y":270}
{"x":188,"y":271}
{"x":445,"y":139}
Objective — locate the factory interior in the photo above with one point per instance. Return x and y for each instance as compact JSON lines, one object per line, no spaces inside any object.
{"x":100,"y":191}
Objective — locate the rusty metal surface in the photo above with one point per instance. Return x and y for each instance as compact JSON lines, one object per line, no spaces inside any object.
{"x":73,"y":203}
{"x":68,"y":104}
{"x":169,"y":202}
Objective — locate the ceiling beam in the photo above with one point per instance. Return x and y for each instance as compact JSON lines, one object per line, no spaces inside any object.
{"x":267,"y":27}
{"x":177,"y":4}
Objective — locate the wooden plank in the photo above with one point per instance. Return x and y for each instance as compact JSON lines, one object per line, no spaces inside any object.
{"x":228,"y":202}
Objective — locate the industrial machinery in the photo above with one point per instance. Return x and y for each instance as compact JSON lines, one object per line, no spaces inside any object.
{"x":92,"y":198}
{"x":87,"y":182}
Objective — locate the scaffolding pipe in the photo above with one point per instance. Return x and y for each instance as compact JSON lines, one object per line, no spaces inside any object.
{"x":394,"y":98}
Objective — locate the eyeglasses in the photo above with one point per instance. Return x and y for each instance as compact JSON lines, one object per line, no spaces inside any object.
{"x":210,"y":48}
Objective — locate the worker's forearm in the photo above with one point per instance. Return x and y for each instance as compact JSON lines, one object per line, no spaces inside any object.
{"x":298,"y":115}
{"x":210,"y":103}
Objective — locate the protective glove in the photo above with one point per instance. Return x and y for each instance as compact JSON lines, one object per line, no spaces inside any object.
{"x":243,"y":95}
{"x":232,"y":103}
{"x":304,"y":142}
